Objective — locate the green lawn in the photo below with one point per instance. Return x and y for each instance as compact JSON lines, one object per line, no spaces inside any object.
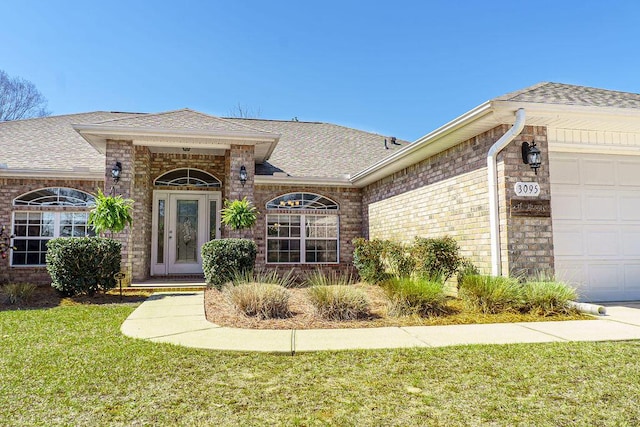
{"x":71,"y":366}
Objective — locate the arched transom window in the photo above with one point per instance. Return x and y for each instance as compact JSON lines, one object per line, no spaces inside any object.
{"x":305,"y":237}
{"x":33,"y":228}
{"x":302,"y":201}
{"x":187,"y":177}
{"x":55,"y":196}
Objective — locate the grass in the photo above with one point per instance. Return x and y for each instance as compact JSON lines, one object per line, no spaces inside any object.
{"x":422,"y":296}
{"x":339,"y":302}
{"x":70,"y":365}
{"x":263,"y":300}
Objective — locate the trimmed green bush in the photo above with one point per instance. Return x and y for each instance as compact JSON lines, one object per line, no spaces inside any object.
{"x":338,"y":302}
{"x":436,"y":256}
{"x":83,"y":265}
{"x":222,"y":258}
{"x":18,"y":292}
{"x":547,"y":298}
{"x":490,"y":294}
{"x":262,"y":300}
{"x":367,"y":258}
{"x":397,"y":259}
{"x":422,"y":296}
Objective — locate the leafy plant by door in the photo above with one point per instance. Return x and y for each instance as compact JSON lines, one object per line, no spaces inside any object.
{"x":239,"y":214}
{"x":112,"y":213}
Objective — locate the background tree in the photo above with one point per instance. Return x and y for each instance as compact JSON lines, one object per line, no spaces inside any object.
{"x":243,"y":112}
{"x":20,"y":99}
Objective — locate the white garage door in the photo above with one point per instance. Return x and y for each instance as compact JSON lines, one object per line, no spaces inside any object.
{"x":595,"y":205}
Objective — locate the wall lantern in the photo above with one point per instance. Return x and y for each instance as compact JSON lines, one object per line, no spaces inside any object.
{"x":243,"y":175}
{"x":116,"y":170}
{"x":531,"y":155}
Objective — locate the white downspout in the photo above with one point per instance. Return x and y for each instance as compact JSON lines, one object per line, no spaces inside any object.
{"x":494,"y":215}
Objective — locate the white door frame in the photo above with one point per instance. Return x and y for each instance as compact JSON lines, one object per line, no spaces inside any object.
{"x":163,"y":266}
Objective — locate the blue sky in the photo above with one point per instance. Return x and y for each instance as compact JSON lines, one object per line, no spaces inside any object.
{"x":398,"y":68}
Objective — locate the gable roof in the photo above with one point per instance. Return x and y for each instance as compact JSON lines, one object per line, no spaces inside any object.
{"x":51,"y":145}
{"x":565,"y":94}
{"x":323,"y":150}
{"x":184,"y":119}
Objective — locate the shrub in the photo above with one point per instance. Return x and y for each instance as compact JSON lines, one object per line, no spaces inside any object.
{"x":338,"y":302}
{"x":466,"y":268}
{"x":367,"y":258}
{"x":83,"y":265}
{"x":18,"y":292}
{"x":416,"y":295}
{"x":330,"y":278}
{"x":223,"y":258}
{"x":548,"y":297}
{"x":263,"y":300}
{"x":397,"y":259}
{"x":435,"y":256}
{"x":491,"y":294}
{"x":239,"y":214}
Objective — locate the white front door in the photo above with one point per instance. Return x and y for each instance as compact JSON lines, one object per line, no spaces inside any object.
{"x":182,"y":223}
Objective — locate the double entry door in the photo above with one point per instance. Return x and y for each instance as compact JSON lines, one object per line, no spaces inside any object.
{"x":182,"y":222}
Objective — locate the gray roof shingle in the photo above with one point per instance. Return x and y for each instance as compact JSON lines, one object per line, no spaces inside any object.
{"x":51,"y":142}
{"x":558,"y":93}
{"x":185,"y":119}
{"x":312,"y":149}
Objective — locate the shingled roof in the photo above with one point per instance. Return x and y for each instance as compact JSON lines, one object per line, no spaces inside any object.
{"x":313,"y":149}
{"x":558,"y":93}
{"x":51,"y":143}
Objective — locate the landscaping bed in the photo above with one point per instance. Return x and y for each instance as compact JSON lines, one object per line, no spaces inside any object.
{"x":304,"y":316}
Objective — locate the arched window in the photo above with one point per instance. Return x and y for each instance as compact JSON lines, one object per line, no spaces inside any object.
{"x":305,"y":238}
{"x":188,"y":177}
{"x":55,"y":196}
{"x":33,"y":228}
{"x":302,"y":201}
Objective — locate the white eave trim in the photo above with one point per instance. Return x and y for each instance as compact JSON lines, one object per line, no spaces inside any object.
{"x":53,"y":174}
{"x":101,"y":130}
{"x":306,"y":181}
{"x":412,"y":152}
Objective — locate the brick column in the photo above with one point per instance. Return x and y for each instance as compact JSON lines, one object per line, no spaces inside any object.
{"x":236,"y":157}
{"x":527,"y":241}
{"x":123,"y":152}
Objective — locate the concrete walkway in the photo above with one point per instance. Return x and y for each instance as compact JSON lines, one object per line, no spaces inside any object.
{"x":178,"y":318}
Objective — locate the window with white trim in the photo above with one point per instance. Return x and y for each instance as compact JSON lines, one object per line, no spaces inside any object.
{"x":32,"y":229}
{"x":302,"y":238}
{"x":187,"y":177}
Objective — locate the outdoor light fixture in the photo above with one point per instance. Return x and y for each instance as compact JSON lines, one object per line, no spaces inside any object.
{"x":531,"y":155}
{"x":115,"y":171}
{"x":243,"y":175}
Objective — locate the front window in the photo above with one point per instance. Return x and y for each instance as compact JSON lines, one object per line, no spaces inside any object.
{"x":298,"y":232}
{"x":33,"y":229}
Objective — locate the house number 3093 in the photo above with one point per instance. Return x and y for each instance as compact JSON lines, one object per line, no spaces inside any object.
{"x":527,"y":189}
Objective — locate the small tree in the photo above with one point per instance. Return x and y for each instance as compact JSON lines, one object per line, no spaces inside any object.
{"x":20,"y":99}
{"x":239,"y":214}
{"x":112,"y":213}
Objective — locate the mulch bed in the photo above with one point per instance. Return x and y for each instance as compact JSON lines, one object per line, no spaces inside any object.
{"x":221,"y":312}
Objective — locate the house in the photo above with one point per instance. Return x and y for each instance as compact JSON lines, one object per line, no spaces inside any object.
{"x":318,"y":186}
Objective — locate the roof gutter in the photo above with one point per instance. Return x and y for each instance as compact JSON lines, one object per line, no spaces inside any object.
{"x":494,"y":215}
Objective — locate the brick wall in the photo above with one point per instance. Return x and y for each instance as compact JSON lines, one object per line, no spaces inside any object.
{"x":447,"y":194}
{"x":350,"y":220}
{"x":10,"y":188}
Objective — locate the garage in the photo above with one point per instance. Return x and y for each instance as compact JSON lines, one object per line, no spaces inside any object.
{"x":595,"y":202}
